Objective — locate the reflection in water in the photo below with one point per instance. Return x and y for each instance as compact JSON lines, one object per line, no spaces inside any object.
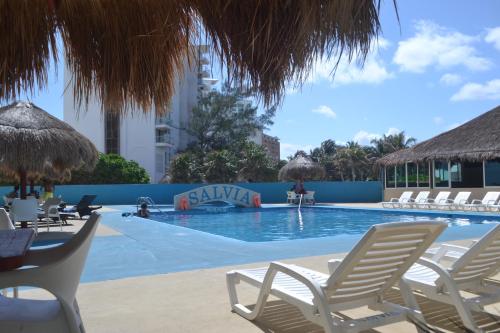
{"x":301,"y":224}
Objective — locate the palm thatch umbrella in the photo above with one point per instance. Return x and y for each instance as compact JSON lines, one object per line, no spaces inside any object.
{"x":130,"y":52}
{"x":476,"y":140}
{"x":301,"y":168}
{"x":33,"y":143}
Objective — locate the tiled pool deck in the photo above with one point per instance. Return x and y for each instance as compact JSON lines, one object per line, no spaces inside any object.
{"x":147,"y":276}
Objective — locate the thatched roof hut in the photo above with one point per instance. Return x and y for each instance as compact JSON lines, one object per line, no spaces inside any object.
{"x":476,"y":140}
{"x":303,"y":168}
{"x":129,"y":52}
{"x":34,"y":143}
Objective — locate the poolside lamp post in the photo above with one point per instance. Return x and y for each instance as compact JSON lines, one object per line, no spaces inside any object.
{"x":34,"y":143}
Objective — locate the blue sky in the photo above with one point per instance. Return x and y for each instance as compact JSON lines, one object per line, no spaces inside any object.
{"x":439,"y":68}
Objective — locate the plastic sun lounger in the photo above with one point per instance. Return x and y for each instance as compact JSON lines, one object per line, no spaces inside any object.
{"x":420,"y":198}
{"x":373,"y":266}
{"x":469,"y":272}
{"x":430,"y":202}
{"x":490,"y":199}
{"x":83,"y":207}
{"x":461,"y":199}
{"x":395,"y":202}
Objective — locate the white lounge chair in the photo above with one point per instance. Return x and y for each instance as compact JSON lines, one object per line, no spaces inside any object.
{"x":420,"y":198}
{"x":57,"y":270}
{"x":460,"y":200}
{"x":49,"y":211}
{"x":489,"y":200}
{"x":469,"y":272}
{"x":5,"y":222}
{"x":431,"y":202}
{"x":25,"y":210}
{"x":374,"y":265}
{"x":395,"y":202}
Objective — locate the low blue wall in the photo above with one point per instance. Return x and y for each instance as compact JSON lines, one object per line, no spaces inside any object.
{"x":119,"y":194}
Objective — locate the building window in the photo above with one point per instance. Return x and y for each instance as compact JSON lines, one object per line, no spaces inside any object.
{"x":492,"y":173}
{"x":389,"y":177}
{"x":401,"y":175}
{"x":162,"y":135}
{"x":466,"y":174}
{"x":112,"y":133}
{"x":423,"y":174}
{"x":441,"y":174}
{"x":412,"y":172}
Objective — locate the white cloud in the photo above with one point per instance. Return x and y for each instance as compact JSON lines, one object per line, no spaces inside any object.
{"x":365,"y":138}
{"x":436,"y":46}
{"x":287,"y":149}
{"x":392,"y":131}
{"x":477,"y":91}
{"x":325,"y":111}
{"x":438,"y":120}
{"x":450,"y":79}
{"x":493,"y":37}
{"x":373,"y":71}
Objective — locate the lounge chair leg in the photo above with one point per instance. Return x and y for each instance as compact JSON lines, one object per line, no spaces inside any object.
{"x":411,"y":302}
{"x":232,"y":279}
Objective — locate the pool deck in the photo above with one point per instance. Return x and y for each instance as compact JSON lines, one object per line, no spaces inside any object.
{"x":140,"y":291}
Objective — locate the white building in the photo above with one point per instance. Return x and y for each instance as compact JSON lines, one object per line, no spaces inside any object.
{"x":149,"y":140}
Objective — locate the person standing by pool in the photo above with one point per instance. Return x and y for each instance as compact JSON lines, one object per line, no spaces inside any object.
{"x":48,"y":191}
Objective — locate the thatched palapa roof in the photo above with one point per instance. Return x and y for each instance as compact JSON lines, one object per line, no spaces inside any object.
{"x":129,"y":52}
{"x":476,"y":140}
{"x":34,"y":143}
{"x":301,"y":167}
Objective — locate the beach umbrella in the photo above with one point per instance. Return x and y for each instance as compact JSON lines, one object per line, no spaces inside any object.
{"x":130,"y":53}
{"x":301,"y":167}
{"x":34,"y":143}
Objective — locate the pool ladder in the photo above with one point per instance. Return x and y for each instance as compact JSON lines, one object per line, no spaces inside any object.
{"x":148,"y":201}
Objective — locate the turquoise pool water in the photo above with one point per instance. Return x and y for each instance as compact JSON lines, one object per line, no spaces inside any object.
{"x":278,"y":224}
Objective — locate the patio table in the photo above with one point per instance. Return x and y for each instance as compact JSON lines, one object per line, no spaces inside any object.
{"x":13,"y":247}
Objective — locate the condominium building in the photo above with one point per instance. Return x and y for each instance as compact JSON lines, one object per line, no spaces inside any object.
{"x":271,"y":143}
{"x":148,"y":139}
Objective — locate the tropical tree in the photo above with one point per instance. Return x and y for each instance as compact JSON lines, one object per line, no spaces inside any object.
{"x":111,"y":169}
{"x":390,"y":143}
{"x":221,"y":166}
{"x":256,"y":164}
{"x":186,"y":168}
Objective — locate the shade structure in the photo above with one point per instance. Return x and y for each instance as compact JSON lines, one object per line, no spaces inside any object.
{"x":130,"y":52}
{"x":34,"y":143}
{"x":301,"y":167}
{"x":476,"y":140}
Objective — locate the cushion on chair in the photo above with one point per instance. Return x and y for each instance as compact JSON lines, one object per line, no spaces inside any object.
{"x":28,"y":310}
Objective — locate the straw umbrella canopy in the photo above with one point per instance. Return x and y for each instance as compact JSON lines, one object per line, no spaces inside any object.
{"x":301,"y":168}
{"x":476,"y":140}
{"x":33,"y":143}
{"x":130,"y":53}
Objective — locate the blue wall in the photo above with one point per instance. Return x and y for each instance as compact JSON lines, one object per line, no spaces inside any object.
{"x":117,"y":194}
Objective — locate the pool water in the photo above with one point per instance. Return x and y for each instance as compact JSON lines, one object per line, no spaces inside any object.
{"x":277,"y":224}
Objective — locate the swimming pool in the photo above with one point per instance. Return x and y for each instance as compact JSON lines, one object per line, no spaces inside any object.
{"x":278,"y":224}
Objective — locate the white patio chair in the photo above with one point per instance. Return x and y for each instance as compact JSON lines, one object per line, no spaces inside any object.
{"x":57,"y":270}
{"x":292,"y":197}
{"x":49,"y":211}
{"x":420,"y":198}
{"x":469,"y":272}
{"x":375,"y":264}
{"x":25,"y":210}
{"x":6,"y":224}
{"x":397,"y":202}
{"x":308,"y":198}
{"x":460,"y":201}
{"x":489,"y":200}
{"x":431,"y":202}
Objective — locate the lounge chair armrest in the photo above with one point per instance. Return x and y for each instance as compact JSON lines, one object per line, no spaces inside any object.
{"x":445,"y":248}
{"x":462,"y":202}
{"x":448,"y":201}
{"x":441,"y":201}
{"x":491,"y":202}
{"x":430,"y":200}
{"x":476,"y":202}
{"x":394,"y":200}
{"x":444,"y":275}
{"x":409,"y":200}
{"x":333,"y":264}
{"x":41,"y":257}
{"x":291,"y":271}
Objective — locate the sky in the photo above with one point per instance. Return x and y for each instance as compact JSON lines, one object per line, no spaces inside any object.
{"x":434,"y":70}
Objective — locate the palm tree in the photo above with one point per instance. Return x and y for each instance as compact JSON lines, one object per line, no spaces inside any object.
{"x":390,"y":143}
